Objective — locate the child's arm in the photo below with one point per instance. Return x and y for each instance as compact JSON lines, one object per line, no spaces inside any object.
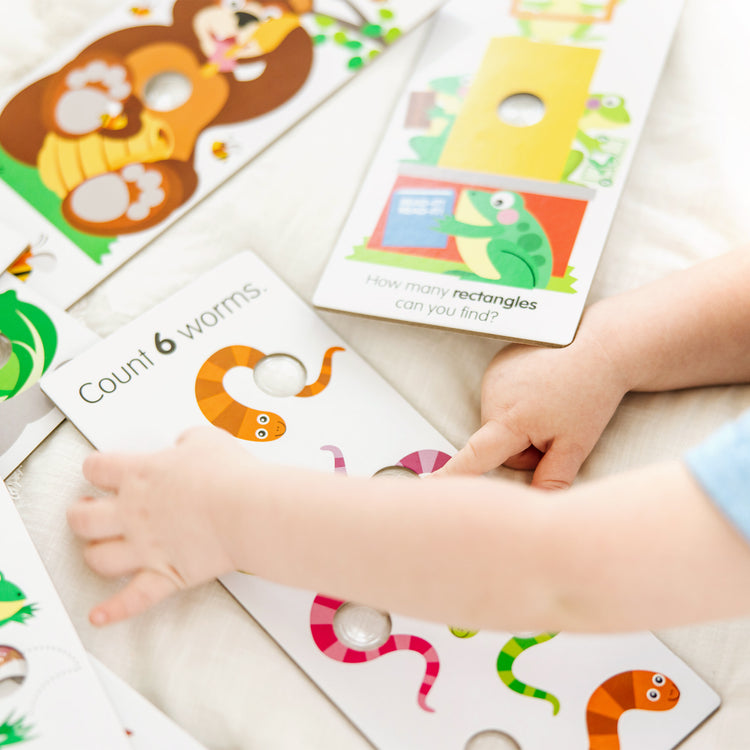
{"x":646,"y":549}
{"x":546,"y":408}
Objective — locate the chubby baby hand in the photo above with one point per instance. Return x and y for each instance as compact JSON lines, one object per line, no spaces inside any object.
{"x":163,"y":521}
{"x":542,"y":409}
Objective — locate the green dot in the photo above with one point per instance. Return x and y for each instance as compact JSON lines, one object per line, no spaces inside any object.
{"x":319,"y":38}
{"x":385,"y":13}
{"x":353,"y":44}
{"x":392,"y":35}
{"x":355,"y":63}
{"x":530,"y":241}
{"x":340,"y":37}
{"x":372,"y":30}
{"x":324,"y":21}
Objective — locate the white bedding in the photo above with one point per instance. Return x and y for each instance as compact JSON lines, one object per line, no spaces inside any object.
{"x":199,"y":656}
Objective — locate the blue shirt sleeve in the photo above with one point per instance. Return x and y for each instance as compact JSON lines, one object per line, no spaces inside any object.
{"x":721,"y":464}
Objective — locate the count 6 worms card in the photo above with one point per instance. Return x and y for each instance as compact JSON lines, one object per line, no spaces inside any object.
{"x":238,"y":349}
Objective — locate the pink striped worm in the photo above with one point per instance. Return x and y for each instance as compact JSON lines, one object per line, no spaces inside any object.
{"x":420,"y":462}
{"x":323,"y":611}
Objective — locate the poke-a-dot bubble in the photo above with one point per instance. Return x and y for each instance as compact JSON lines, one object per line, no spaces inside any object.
{"x":280,"y":375}
{"x":6,"y":349}
{"x":13,"y":670}
{"x":360,"y":627}
{"x":492,"y":739}
{"x":521,"y":110}
{"x":396,"y":471}
{"x":167,"y":91}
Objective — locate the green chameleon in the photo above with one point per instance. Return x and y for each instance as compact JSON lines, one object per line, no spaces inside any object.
{"x":13,"y":731}
{"x":499,"y":240}
{"x":603,"y":112}
{"x":13,"y":607}
{"x":33,"y":340}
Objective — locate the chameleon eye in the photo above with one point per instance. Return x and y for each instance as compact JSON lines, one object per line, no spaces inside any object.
{"x":653,"y":694}
{"x":263,"y":419}
{"x":612,"y":101}
{"x":658,"y":679}
{"x":502,"y":200}
{"x":261,"y":434}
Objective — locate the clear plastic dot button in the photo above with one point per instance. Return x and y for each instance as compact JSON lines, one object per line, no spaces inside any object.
{"x":167,"y":91}
{"x":6,"y":349}
{"x":396,"y":471}
{"x":280,"y":375}
{"x":492,"y":739}
{"x":360,"y":627}
{"x":521,"y":110}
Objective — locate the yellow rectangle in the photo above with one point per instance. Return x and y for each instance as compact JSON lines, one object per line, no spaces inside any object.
{"x":559,"y":75}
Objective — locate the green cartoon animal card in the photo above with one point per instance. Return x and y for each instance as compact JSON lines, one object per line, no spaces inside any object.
{"x":35,"y":337}
{"x":46,"y":681}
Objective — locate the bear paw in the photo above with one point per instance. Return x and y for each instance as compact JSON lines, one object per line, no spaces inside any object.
{"x":92,"y":98}
{"x":134,"y":198}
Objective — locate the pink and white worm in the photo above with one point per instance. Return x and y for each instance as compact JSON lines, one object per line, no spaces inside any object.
{"x":420,"y":462}
{"x":324,"y":609}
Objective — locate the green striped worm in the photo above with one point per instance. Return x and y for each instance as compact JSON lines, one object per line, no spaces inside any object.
{"x":507,"y":656}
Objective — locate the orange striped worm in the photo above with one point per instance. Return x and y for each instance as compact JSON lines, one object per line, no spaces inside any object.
{"x":242,"y":421}
{"x":639,"y":689}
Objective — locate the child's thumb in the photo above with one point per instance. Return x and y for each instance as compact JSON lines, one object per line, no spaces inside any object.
{"x":558,"y":467}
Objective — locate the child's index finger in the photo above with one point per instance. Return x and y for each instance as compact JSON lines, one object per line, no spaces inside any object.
{"x":489,"y":447}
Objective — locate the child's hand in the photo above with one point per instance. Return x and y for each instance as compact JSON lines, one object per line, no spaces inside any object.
{"x":542,"y":409}
{"x":161,"y":522}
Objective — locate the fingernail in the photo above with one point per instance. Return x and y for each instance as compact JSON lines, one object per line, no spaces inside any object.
{"x":98,"y":617}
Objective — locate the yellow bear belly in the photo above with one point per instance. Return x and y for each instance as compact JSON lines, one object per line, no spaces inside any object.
{"x":64,"y":163}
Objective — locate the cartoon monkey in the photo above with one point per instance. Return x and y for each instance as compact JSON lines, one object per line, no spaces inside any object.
{"x":119,"y":156}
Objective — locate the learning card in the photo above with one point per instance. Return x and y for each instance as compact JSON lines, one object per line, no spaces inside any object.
{"x":50,"y":697}
{"x":147,"y":728}
{"x":489,"y":201}
{"x":239,"y":350}
{"x":35,"y":337}
{"x":114,"y":138}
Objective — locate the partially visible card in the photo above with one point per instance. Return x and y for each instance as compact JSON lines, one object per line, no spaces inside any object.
{"x":35,"y":338}
{"x":50,"y":698}
{"x":147,"y":727}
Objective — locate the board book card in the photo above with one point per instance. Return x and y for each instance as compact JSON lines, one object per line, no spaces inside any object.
{"x":488,"y":203}
{"x":238,"y":349}
{"x":50,"y":697}
{"x":35,"y":337}
{"x":147,"y":728}
{"x":114,"y":138}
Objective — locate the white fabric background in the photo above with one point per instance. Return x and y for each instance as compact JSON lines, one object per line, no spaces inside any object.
{"x":199,"y":656}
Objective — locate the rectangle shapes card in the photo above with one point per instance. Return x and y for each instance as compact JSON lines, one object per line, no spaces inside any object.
{"x":488,"y":203}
